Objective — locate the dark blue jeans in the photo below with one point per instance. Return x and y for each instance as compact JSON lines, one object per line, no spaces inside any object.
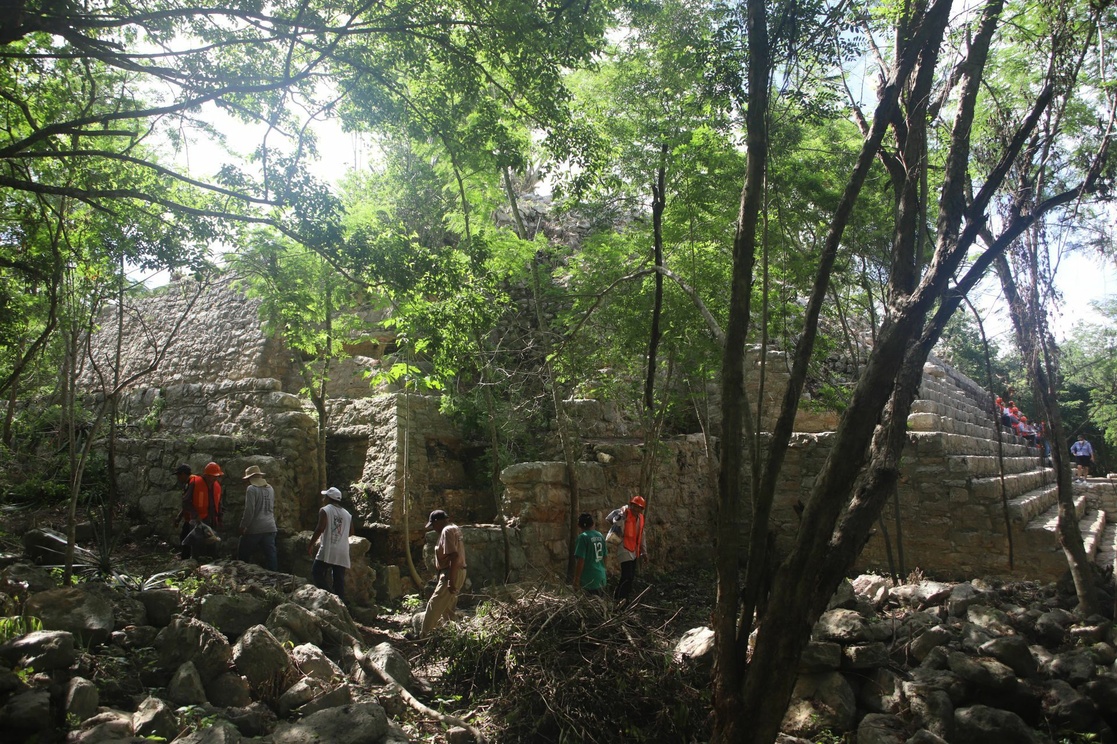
{"x":628,"y":576}
{"x":264,"y":541}
{"x":318,"y":571}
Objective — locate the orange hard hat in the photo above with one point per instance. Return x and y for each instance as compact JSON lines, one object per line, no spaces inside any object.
{"x":213,"y":468}
{"x":638,"y":501}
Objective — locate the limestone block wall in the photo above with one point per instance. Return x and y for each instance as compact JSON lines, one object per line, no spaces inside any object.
{"x":235,"y":423}
{"x":367,"y":444}
{"x":485,"y":554}
{"x":680,"y":513}
{"x":222,"y":338}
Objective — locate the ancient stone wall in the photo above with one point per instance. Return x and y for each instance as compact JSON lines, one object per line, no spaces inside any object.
{"x":236,"y":424}
{"x":390,"y":450}
{"x":220,"y":339}
{"x":392,"y":444}
{"x":680,"y":512}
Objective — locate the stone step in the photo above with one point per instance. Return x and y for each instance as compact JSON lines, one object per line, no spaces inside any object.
{"x":948,"y":393}
{"x":1015,"y":484}
{"x":1036,"y":548}
{"x":957,"y":417}
{"x":1093,"y":534}
{"x":1027,"y":507}
{"x":987,"y":465}
{"x":1106,"y":555}
{"x":1049,"y":520}
{"x":942,"y":443}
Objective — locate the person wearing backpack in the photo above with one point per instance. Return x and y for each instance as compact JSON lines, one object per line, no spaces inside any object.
{"x":201,"y":502}
{"x":630,"y":519}
{"x":589,"y":555}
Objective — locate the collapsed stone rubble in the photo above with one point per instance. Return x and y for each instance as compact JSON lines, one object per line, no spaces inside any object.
{"x":974,"y":662}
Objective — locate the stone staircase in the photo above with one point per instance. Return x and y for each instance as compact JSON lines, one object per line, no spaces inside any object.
{"x":954,"y":520}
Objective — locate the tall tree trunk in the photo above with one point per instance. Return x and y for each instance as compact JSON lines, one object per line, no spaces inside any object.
{"x":659,"y":203}
{"x":730,"y":718}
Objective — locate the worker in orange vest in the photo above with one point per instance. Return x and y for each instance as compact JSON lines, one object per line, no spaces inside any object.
{"x":201,"y":502}
{"x":631,"y":520}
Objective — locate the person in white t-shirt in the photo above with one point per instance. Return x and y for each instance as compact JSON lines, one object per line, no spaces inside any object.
{"x":335,"y":526}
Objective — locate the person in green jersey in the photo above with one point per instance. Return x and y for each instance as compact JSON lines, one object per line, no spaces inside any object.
{"x":589,"y":552}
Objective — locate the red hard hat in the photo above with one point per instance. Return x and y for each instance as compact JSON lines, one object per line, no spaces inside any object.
{"x":638,"y":501}
{"x":213,"y":469}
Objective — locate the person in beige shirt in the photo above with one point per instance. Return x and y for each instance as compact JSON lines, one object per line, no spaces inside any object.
{"x":449,"y":561}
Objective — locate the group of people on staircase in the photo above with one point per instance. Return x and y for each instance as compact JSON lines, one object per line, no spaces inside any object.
{"x":1081,"y":450}
{"x":1012,"y":418}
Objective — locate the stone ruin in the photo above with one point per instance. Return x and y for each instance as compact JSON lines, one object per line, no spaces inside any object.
{"x":227,"y":392}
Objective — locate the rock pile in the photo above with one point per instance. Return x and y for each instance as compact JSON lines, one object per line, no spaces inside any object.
{"x":254,"y":654}
{"x":965,"y":663}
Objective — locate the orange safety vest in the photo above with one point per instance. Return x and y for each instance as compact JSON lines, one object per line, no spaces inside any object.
{"x":633,"y":531}
{"x":201,"y":499}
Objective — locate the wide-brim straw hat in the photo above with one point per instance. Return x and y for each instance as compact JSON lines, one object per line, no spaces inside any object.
{"x":252,"y":471}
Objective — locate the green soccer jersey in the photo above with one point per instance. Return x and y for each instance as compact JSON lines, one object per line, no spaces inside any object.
{"x":590,"y":547}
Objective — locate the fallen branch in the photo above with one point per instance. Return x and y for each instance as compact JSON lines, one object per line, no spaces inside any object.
{"x":371,"y":666}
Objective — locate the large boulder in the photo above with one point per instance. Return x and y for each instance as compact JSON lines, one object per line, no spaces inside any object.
{"x":385,"y":656}
{"x":820,"y":702}
{"x":333,"y":616}
{"x":233,"y":614}
{"x":840,"y":626}
{"x":878,"y":728}
{"x":931,"y":708}
{"x":85,"y":614}
{"x":188,"y":639}
{"x":161,"y":605}
{"x":186,"y":687}
{"x":230,"y":690}
{"x":295,"y":624}
{"x":82,"y":698}
{"x":264,"y":662}
{"x":981,"y":724}
{"x":696,"y":648}
{"x":42,"y":650}
{"x":221,"y":732}
{"x":361,"y":723}
{"x":27,"y":576}
{"x":312,"y":662}
{"x":45,"y":546}
{"x":255,"y":719}
{"x":26,"y":715}
{"x":154,"y":718}
{"x":1013,"y":651}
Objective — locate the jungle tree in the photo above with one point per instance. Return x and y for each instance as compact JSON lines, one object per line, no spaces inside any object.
{"x":862,"y":468}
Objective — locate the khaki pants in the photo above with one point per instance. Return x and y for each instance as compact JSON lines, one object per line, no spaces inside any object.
{"x":443,"y":602}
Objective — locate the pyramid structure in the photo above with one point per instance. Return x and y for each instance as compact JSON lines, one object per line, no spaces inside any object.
{"x":976,"y":500}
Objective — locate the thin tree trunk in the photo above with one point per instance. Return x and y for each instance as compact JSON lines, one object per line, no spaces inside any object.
{"x":997,"y":425}
{"x":659,"y":203}
{"x":1030,"y":337}
{"x":562,"y":427}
